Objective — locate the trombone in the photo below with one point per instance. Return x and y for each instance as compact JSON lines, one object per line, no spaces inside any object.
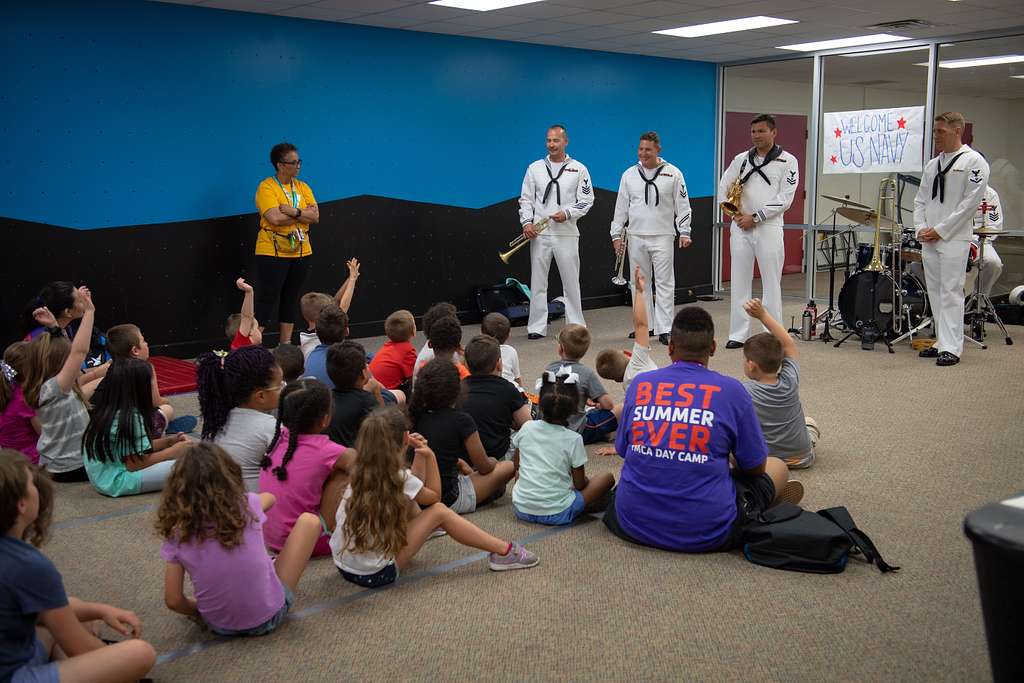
{"x":887,"y":204}
{"x":620,"y":261}
{"x":521,"y":240}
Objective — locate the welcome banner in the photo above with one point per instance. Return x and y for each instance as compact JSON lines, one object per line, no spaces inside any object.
{"x":874,"y":140}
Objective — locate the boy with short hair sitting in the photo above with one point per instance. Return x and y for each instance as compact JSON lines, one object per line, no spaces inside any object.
{"x":494,"y":403}
{"x":445,"y":339}
{"x":393,"y":365}
{"x":355,"y":393}
{"x":599,"y":421}
{"x":331,"y":328}
{"x":499,"y":327}
{"x":622,"y":366}
{"x":289,"y":358}
{"x":774,"y":385}
{"x":434,"y":313}
{"x":312,"y":303}
{"x":242,"y":328}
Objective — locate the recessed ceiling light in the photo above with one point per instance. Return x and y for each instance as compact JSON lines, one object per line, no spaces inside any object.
{"x":481,"y":5}
{"x":979,"y":61}
{"x":887,"y":52}
{"x":730,"y":26}
{"x":872,"y":39}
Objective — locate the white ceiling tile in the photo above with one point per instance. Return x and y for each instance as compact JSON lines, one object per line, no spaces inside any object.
{"x":509,"y":33}
{"x":540,"y":10}
{"x":615,"y":5}
{"x":488,"y":20}
{"x":319,"y":13}
{"x":655,"y":8}
{"x":262,"y":6}
{"x":366,"y":6}
{"x":426,"y":13}
{"x":382,"y":21}
{"x":537,"y":28}
{"x":591,"y":33}
{"x":179,"y":2}
{"x":444,"y":27}
{"x":599,"y":18}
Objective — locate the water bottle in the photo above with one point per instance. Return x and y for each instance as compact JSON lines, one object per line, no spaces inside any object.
{"x":814,"y":316}
{"x":807,"y":325}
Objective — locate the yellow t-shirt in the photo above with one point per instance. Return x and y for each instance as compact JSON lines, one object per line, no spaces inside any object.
{"x":275,"y":240}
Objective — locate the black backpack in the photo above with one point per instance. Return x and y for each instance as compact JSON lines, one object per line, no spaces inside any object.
{"x":512,"y":299}
{"x":789,"y":537}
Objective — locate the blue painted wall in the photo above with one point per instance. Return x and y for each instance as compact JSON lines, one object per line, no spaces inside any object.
{"x":130,"y":113}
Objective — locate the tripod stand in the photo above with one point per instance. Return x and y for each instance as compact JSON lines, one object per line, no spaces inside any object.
{"x":979,"y":306}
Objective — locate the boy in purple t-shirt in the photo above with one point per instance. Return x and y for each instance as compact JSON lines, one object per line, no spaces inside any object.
{"x":679,"y":426}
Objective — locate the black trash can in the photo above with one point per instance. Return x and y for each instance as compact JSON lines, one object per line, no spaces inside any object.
{"x":997,"y":532}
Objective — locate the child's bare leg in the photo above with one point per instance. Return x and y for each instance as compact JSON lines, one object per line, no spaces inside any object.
{"x":334,"y":489}
{"x":399,"y":395}
{"x":286,"y":333}
{"x":777,"y":470}
{"x":294,"y":556}
{"x":126,"y":661}
{"x":597,"y":488}
{"x":462,"y":530}
{"x":617,"y":411}
{"x":486,"y":485}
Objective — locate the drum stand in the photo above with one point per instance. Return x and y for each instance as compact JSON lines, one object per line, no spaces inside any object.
{"x":870,"y":332}
{"x":979,"y":306}
{"x":830,"y":312}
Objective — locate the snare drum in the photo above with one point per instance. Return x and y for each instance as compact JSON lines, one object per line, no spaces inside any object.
{"x":864,"y":251}
{"x":910,"y":247}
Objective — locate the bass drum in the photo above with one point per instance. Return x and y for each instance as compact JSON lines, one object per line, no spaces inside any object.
{"x":867,"y":297}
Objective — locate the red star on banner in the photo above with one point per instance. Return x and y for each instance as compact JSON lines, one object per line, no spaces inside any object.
{"x":838,"y":132}
{"x":901,"y":122}
{"x":833,"y":159}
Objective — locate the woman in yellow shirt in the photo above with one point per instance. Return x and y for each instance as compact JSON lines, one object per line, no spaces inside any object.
{"x":287,"y":209}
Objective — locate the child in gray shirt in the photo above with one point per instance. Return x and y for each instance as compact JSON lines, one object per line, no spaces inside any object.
{"x":773,"y":381}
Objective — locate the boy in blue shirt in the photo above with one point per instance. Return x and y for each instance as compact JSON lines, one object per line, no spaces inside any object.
{"x":681,"y":425}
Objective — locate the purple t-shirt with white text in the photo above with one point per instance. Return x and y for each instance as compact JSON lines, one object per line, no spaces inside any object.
{"x":679,"y":424}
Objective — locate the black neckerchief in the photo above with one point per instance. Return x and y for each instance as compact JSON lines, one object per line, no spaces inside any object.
{"x":554,"y":181}
{"x":774,"y":153}
{"x":649,"y":183}
{"x":939,"y":184}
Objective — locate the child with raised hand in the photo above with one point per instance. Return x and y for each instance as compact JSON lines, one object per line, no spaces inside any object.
{"x":380,"y":526}
{"x":236,"y":394}
{"x":242,"y":328}
{"x":499,"y":327}
{"x":122,"y":454}
{"x":773,"y":381}
{"x":212,"y":530}
{"x":303,"y":469}
{"x":620,"y":366}
{"x":312,"y":303}
{"x":19,"y":428}
{"x":42,"y":628}
{"x":469,"y":477}
{"x":52,"y":389}
{"x":552,"y":485}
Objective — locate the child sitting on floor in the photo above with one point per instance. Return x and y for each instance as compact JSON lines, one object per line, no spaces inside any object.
{"x":44,"y":634}
{"x":495,"y":404}
{"x":380,"y":526}
{"x":236,"y":394}
{"x":774,"y":385}
{"x":212,"y":530}
{"x":552,"y":485}
{"x":242,"y":328}
{"x":303,"y":469}
{"x":355,"y":392}
{"x":454,"y":438}
{"x":623,"y":366}
{"x":596,"y":423}
{"x":445,"y":340}
{"x":122,"y":455}
{"x":19,"y":428}
{"x":289,"y":358}
{"x":499,"y":327}
{"x":393,"y":365}
{"x":332,"y":328}
{"x":312,"y":303}
{"x":434,"y":313}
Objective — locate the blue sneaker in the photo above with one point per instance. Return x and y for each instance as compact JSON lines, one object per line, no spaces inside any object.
{"x":185,"y":424}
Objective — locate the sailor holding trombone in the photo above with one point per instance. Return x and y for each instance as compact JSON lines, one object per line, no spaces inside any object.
{"x":556,"y":193}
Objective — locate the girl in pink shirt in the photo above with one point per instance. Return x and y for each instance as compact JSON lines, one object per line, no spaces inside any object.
{"x":304,"y":470}
{"x":19,"y":428}
{"x":213,"y":530}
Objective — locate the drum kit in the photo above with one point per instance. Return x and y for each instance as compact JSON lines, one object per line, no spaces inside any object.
{"x":882,"y":300}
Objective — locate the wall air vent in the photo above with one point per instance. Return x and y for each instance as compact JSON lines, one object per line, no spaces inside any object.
{"x":901,"y":25}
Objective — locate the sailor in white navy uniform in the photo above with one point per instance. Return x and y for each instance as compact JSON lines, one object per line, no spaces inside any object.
{"x":653,"y":206}
{"x":992,"y":267}
{"x":560,"y":187}
{"x":952,"y":187}
{"x":770,"y":178}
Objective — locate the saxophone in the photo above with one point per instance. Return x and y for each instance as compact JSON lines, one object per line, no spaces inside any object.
{"x":731,"y":207}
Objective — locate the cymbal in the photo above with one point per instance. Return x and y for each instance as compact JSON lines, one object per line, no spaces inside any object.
{"x":987,"y":231}
{"x":845,"y":201}
{"x":867,"y":217}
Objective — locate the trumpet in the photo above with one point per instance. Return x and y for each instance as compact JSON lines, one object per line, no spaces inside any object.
{"x":620,"y":261}
{"x":731,"y":207}
{"x":521,"y":240}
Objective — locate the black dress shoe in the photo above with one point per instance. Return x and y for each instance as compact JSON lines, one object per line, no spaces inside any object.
{"x":946,"y":358}
{"x":632,"y":335}
{"x":930,"y":352}
{"x":733,"y":344}
{"x":533,"y":336}
{"x":663,"y":338}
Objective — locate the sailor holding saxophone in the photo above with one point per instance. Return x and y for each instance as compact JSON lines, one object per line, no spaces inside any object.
{"x":653,"y":206}
{"x":769,"y":179}
{"x":558,"y":187}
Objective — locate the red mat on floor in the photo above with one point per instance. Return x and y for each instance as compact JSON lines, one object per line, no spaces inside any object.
{"x":174,"y":376}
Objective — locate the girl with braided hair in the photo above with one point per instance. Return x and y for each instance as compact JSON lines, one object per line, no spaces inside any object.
{"x":236,"y":394}
{"x":303,"y":468}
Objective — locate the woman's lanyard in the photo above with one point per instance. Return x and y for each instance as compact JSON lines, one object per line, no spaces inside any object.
{"x":294,"y":201}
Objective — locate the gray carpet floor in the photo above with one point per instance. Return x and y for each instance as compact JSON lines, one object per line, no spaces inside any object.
{"x":908,"y":447}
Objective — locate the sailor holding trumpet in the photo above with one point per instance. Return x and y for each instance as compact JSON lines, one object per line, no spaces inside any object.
{"x":556,"y":193}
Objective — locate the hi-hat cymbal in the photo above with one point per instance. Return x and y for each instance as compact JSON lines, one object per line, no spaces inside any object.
{"x":845,"y":201}
{"x":988,"y":231}
{"x":867,"y":217}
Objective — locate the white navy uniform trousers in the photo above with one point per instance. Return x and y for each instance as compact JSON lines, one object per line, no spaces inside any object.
{"x":653,"y":206}
{"x":949,"y":208}
{"x":767,"y":200}
{"x":548,"y":188}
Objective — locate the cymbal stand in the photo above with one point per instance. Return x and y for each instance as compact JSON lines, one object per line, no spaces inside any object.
{"x":979,"y":306}
{"x":830,"y":312}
